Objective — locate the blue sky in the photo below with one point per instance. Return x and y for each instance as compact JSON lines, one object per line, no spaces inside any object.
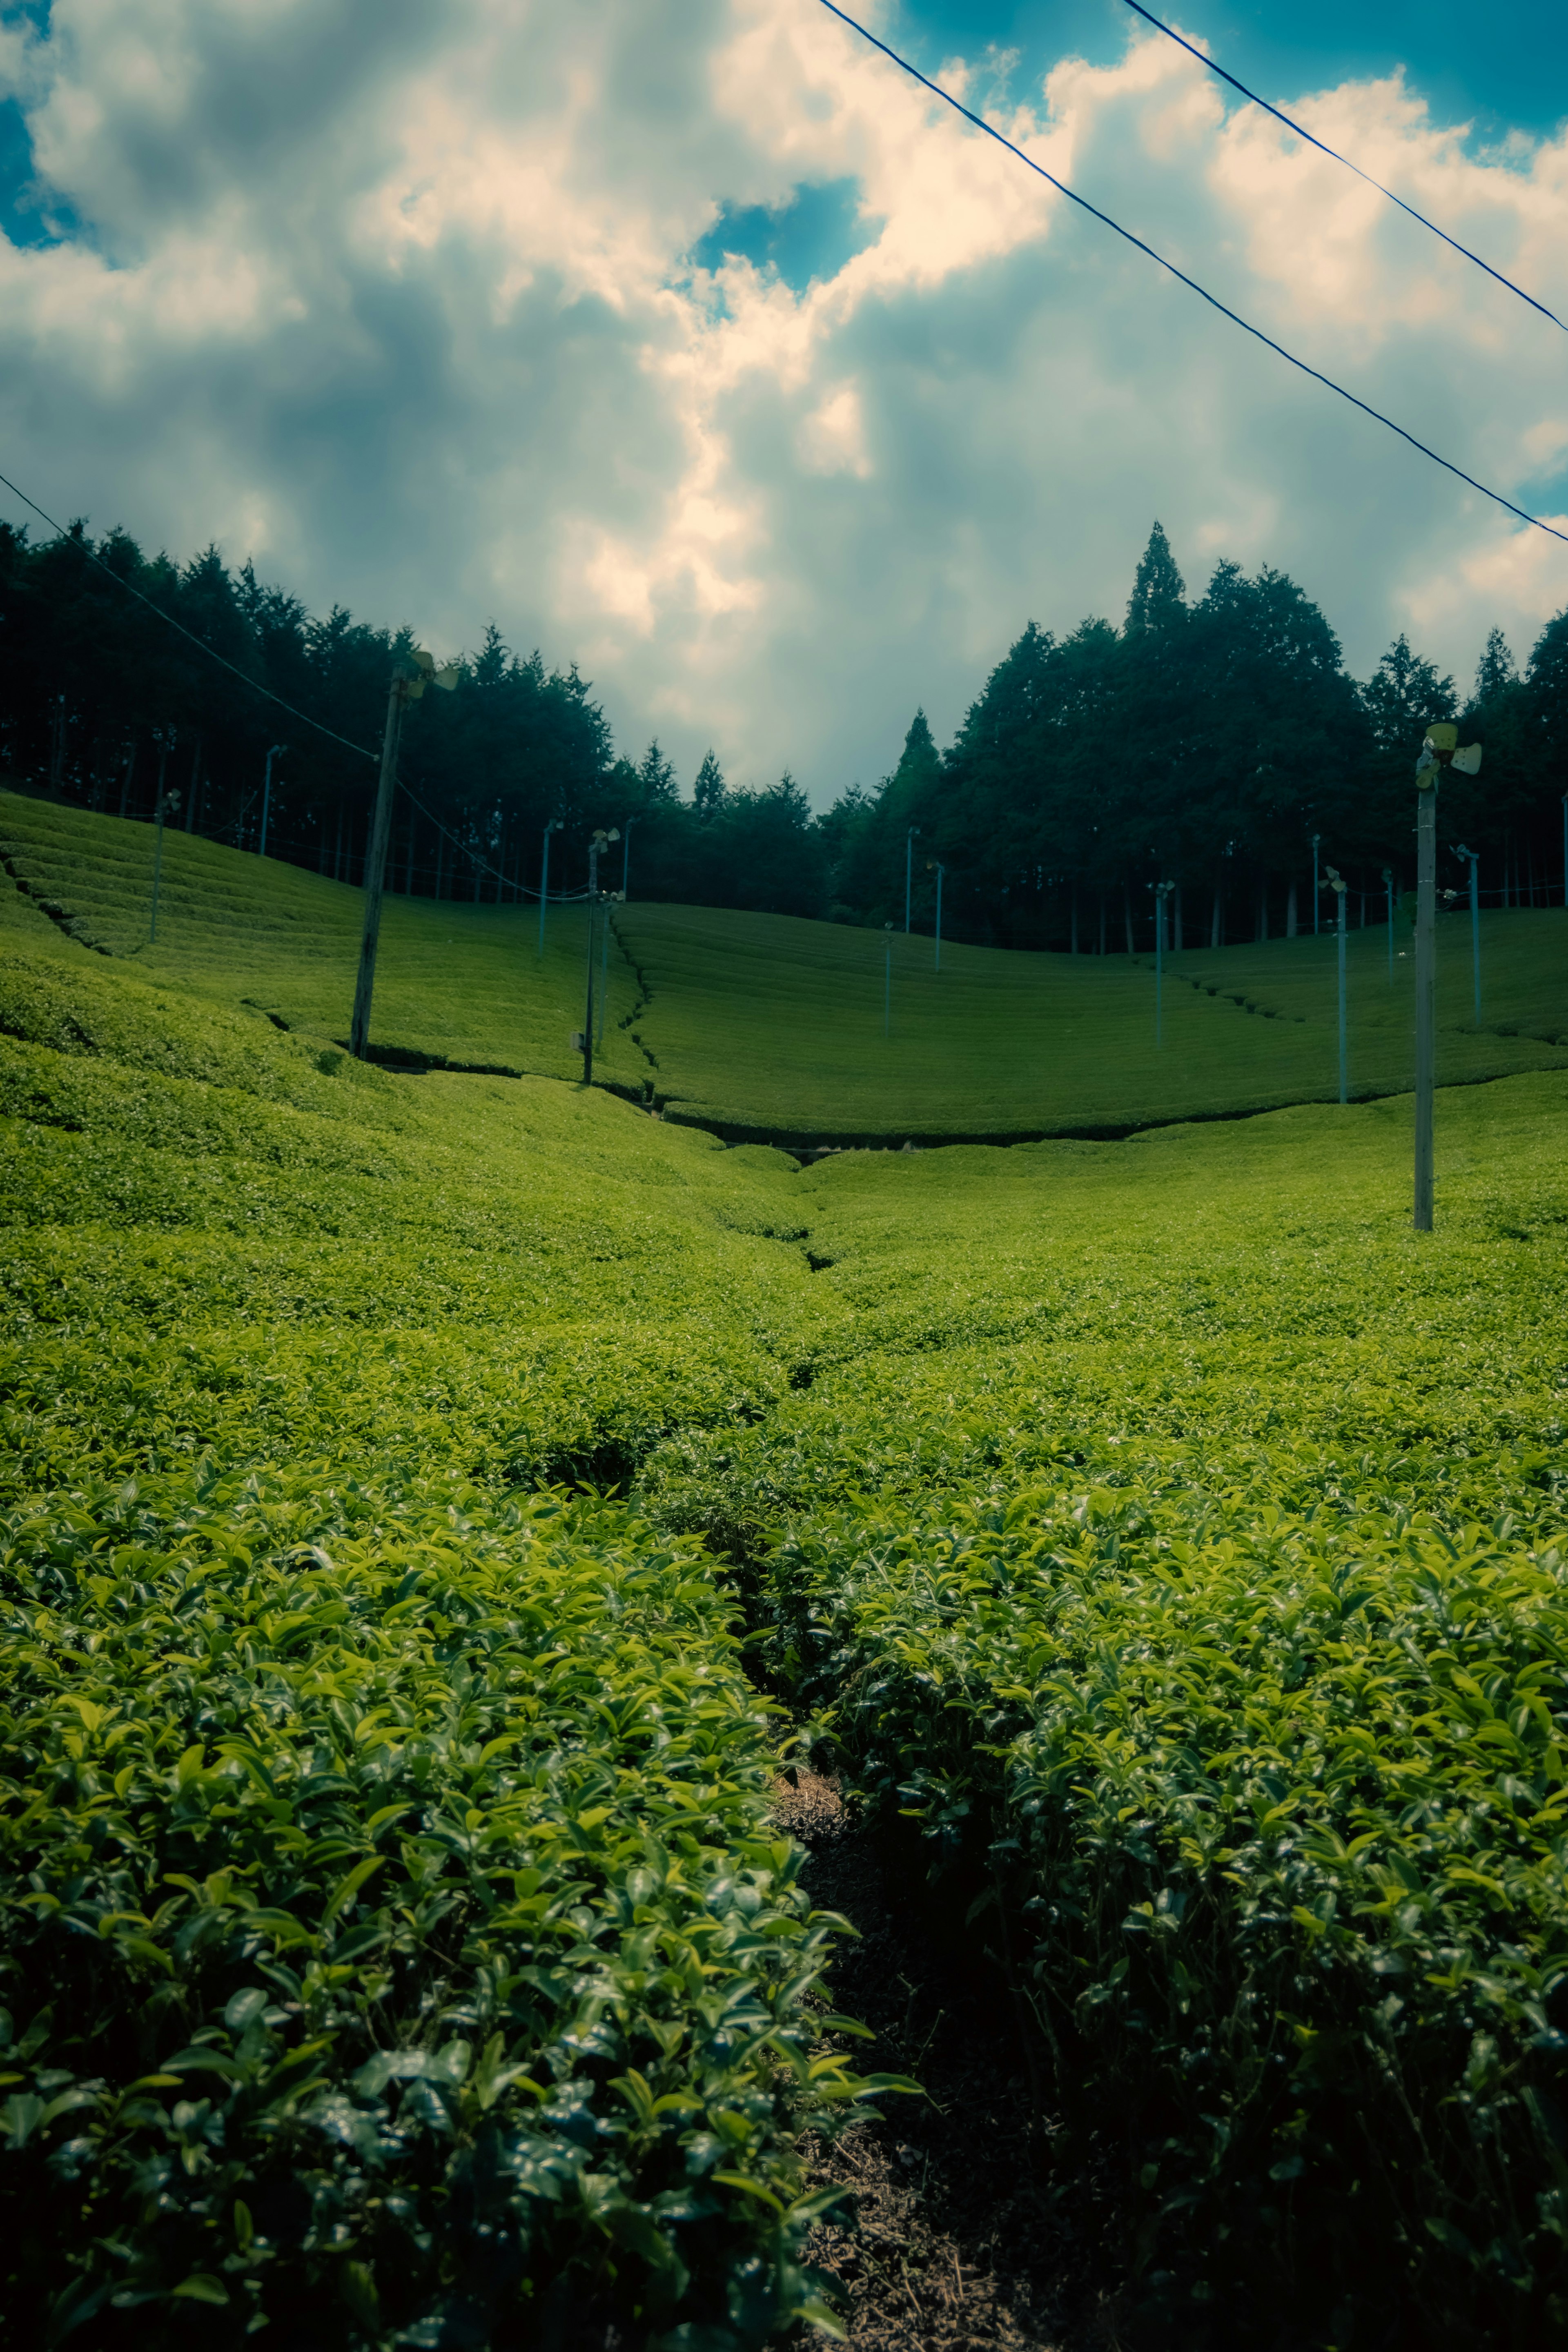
{"x":1503,"y":65}
{"x":687,"y":338}
{"x":1498,"y":69}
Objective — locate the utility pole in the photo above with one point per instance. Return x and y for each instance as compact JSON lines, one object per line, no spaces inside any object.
{"x":1474,"y":856}
{"x":553,"y":827}
{"x":600,"y":840}
{"x":56,"y":747}
{"x":402,"y":692}
{"x":1437,"y":752}
{"x":1337,"y":883}
{"x":1388,"y":885}
{"x":605,"y":972}
{"x":1162,"y":892}
{"x":585,"y":1038}
{"x":266,"y":796}
{"x":909,"y":869}
{"x":1426,"y":981}
{"x":173,"y":803}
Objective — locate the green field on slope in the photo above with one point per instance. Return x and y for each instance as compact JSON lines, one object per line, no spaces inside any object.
{"x":775,"y":1025}
{"x":433,"y":1507}
{"x":772,"y":1027}
{"x":455,"y":981}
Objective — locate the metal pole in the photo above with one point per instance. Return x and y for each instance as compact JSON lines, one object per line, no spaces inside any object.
{"x":375,"y":867}
{"x":1344,"y":1066}
{"x":604,"y":986}
{"x":1426,"y":993}
{"x":158,"y":844}
{"x":938,"y":874}
{"x":267,"y":797}
{"x":588,"y":1012}
{"x":1159,"y":966}
{"x":1316,"y":838}
{"x":1388,"y":885}
{"x":553,"y":827}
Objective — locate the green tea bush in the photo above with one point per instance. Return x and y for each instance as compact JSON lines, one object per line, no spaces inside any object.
{"x":394,"y":1944}
{"x":1164,"y":1527}
{"x":1265,"y":1774}
{"x":394,"y":1941}
{"x":456,"y":982}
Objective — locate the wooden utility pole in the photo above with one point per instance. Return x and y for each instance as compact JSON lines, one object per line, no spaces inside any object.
{"x":403,"y":691}
{"x":1426,"y":984}
{"x":158,"y":815}
{"x":375,"y":863}
{"x":1441,"y":749}
{"x":57,"y":749}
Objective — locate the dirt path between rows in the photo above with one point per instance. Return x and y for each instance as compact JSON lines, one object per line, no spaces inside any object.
{"x":965,"y":2235}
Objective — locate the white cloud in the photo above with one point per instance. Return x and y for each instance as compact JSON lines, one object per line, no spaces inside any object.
{"x":396,"y":299}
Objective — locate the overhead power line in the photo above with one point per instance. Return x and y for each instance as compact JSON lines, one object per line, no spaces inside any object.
{"x":1324,"y":149}
{"x":200,"y":643}
{"x":481,"y":863}
{"x":1190,"y":283}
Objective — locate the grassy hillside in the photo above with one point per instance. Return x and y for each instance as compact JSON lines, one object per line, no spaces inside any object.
{"x":772,"y":1027}
{"x":455,"y":982}
{"x":770,"y":1023}
{"x":385,"y":1864}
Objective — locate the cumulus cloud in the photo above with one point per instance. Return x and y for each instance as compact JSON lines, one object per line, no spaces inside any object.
{"x":402,"y":300}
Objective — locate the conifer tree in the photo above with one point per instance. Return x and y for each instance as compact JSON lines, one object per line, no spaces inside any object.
{"x":1158,"y":601}
{"x":656,"y":777}
{"x":1495,"y":669}
{"x":1403,"y":696}
{"x":708,"y":792}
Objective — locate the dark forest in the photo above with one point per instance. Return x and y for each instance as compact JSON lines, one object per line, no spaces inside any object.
{"x":1206,"y":741}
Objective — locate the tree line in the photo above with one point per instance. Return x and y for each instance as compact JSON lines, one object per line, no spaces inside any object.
{"x":1204,"y":743}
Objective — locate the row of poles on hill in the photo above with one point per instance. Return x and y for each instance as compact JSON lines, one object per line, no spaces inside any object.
{"x":406,"y":690}
{"x":1441,"y":749}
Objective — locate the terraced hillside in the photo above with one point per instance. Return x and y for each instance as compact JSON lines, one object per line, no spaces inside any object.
{"x":771,"y":1028}
{"x":455,"y":981}
{"x":437,"y":1508}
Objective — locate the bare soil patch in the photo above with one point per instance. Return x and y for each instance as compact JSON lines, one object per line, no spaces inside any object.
{"x":965,"y":2236}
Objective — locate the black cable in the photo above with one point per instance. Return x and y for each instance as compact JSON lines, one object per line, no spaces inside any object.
{"x":483,"y":864}
{"x":1190,"y":283}
{"x":558,"y":897}
{"x":1323,"y":149}
{"x":200,"y":644}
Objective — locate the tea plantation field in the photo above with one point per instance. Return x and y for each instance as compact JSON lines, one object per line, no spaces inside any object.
{"x":771,"y":1029}
{"x":433,"y":1506}
{"x":455,"y":982}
